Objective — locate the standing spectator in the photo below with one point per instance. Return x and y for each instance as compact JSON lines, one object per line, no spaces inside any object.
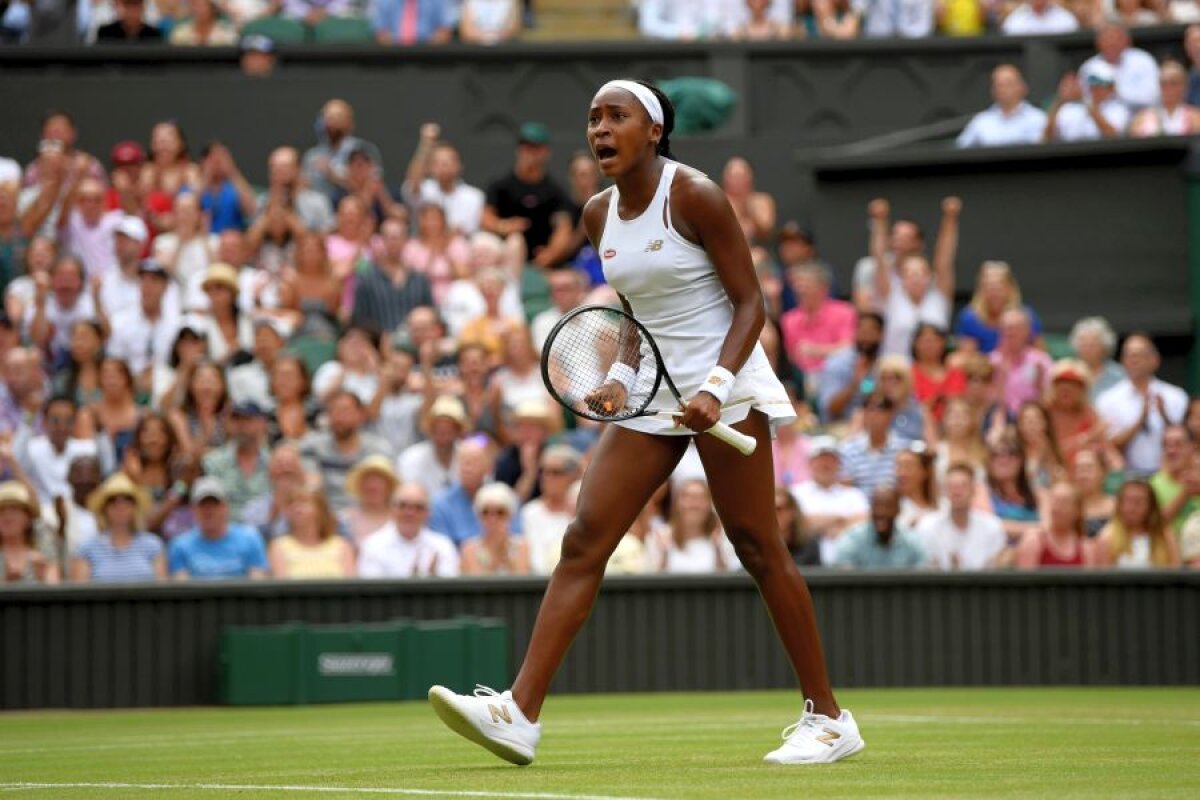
{"x":130,"y":27}
{"x":583,"y":174}
{"x":916,"y":483}
{"x":880,"y":543}
{"x":350,"y":242}
{"x":996,"y":291}
{"x":692,"y":542}
{"x":961,"y":537}
{"x":568,"y":287}
{"x":907,"y":19}
{"x":934,"y":381}
{"x":215,"y":549}
{"x":27,"y":554}
{"x":1139,"y":535}
{"x":895,"y":383}
{"x":387,"y":293}
{"x":286,"y":192}
{"x":311,"y":549}
{"x":529,"y":202}
{"x":46,"y":458}
{"x":1010,"y":495}
{"x":1022,"y":370}
{"x":1101,"y":115}
{"x":904,"y":239}
{"x":343,"y":445}
{"x":755,"y":210}
{"x":453,"y":508}
{"x":1139,"y":408}
{"x":489,"y":329}
{"x":225,"y":195}
{"x":405,"y":548}
{"x":1135,"y":13}
{"x":1011,"y":121}
{"x":62,"y":300}
{"x":1060,"y":540}
{"x":143,"y":335}
{"x":88,"y":230}
{"x":819,"y":325}
{"x":518,"y":380}
{"x":1136,"y":70}
{"x":480,"y":397}
{"x":495,"y":551}
{"x":409,"y":22}
{"x":850,"y":374}
{"x":869,"y":458}
{"x":325,"y":163}
{"x":1087,"y":473}
{"x":544,"y":520}
{"x":40,"y":257}
{"x":372,"y":484}
{"x":170,"y":380}
{"x":917,"y":292}
{"x":435,"y":176}
{"x":1039,"y":18}
{"x":1172,"y":116}
{"x":242,"y":463}
{"x":1175,"y":495}
{"x":124,"y":551}
{"x":1094,"y":341}
{"x":204,"y":28}
{"x":803,"y":545}
{"x":356,"y":368}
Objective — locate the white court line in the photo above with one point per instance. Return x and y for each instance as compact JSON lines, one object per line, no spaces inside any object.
{"x":234,"y":787}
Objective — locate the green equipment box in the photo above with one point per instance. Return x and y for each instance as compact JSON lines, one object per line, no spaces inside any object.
{"x":399,"y":660}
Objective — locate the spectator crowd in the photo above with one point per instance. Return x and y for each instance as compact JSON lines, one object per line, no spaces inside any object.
{"x":337,"y":374}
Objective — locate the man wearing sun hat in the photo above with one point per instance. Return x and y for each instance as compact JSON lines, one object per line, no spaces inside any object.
{"x":433,"y":463}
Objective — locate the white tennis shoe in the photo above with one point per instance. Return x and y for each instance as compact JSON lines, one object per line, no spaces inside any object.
{"x":490,"y":720}
{"x":817,"y":739}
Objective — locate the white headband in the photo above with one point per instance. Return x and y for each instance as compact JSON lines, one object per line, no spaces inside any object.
{"x":644,"y":96}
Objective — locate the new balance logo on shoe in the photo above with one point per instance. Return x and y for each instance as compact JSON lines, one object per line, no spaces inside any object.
{"x":829,"y":737}
{"x":499,"y":713}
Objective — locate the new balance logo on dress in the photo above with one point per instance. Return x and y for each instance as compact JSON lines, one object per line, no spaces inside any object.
{"x":653,"y":246}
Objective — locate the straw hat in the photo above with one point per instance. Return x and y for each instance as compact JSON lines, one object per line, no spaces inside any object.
{"x":446,"y":406}
{"x":221,"y":274}
{"x":379,"y":465}
{"x":118,"y":485}
{"x":1071,"y":369}
{"x":15,"y":493}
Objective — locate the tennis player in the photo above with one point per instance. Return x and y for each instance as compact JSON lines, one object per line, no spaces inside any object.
{"x":673,"y":249}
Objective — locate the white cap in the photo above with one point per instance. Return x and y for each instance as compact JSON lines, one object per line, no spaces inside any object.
{"x":1101,"y":72}
{"x":134,"y":228}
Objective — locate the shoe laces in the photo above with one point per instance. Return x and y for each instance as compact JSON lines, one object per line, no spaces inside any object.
{"x":808,"y":719}
{"x":486,"y":691}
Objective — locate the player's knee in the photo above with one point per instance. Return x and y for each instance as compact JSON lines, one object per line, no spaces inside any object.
{"x":581,"y":547}
{"x":750,"y":549}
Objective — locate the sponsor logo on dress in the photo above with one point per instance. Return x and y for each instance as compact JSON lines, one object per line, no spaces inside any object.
{"x":356,"y":664}
{"x":609,"y":253}
{"x":653,"y":246}
{"x":499,"y":713}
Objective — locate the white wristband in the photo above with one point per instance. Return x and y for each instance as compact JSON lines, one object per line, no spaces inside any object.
{"x":719,"y":384}
{"x":623,"y":374}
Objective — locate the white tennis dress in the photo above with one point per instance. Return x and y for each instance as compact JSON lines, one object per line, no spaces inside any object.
{"x":674,"y":291}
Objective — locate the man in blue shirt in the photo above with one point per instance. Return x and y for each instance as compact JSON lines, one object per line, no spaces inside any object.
{"x":453,"y":511}
{"x":215,"y":549}
{"x":226,"y":195}
{"x":880,"y":543}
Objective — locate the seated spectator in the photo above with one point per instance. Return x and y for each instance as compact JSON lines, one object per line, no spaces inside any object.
{"x":1191,"y":44}
{"x":790,"y":452}
{"x":60,"y":301}
{"x":1093,"y":342}
{"x":27,"y":554}
{"x":435,"y":177}
{"x":386,"y":294}
{"x":436,"y":251}
{"x":692,"y":542}
{"x":169,"y":173}
{"x":371,"y":484}
{"x":251,"y":382}
{"x":1134,"y":13}
{"x":155,"y":461}
{"x":828,"y":19}
{"x":433,"y":463}
{"x":266,"y":513}
{"x":143,"y":334}
{"x":1138,"y":409}
{"x":325,"y":163}
{"x":960,"y":441}
{"x":961,"y":537}
{"x":881,"y":542}
{"x":465,"y":302}
{"x":495,"y":551}
{"x":518,"y":380}
{"x":22,"y":389}
{"x":409,"y":22}
{"x":803,"y":544}
{"x":225,"y":194}
{"x":1088,"y":474}
{"x":668,"y":19}
{"x":216,"y":548}
{"x":819,"y":325}
{"x":363,"y":181}
{"x":74,"y":524}
{"x":241,"y":464}
{"x":918,"y":291}
{"x":12,"y":236}
{"x":583,"y":177}
{"x":1136,"y":70}
{"x":1177,"y":496}
{"x":405,"y":548}
{"x":1010,"y":495}
{"x":115,"y":415}
{"x":869,"y":457}
{"x":916,"y":483}
{"x":130,"y":27}
{"x":349,"y":246}
{"x":895,"y":383}
{"x":1138,"y":536}
{"x":533,"y":423}
{"x":1074,"y":423}
{"x":1101,"y":116}
{"x":344,"y":444}
{"x":489,"y":21}
{"x":1043,"y":460}
{"x":259,"y":55}
{"x":850,"y":374}
{"x":1039,"y":18}
{"x":186,"y":249}
{"x":1022,"y":370}
{"x":544,"y":520}
{"x":204,"y":27}
{"x":913,"y":20}
{"x":397,"y":405}
{"x":1173,"y":116}
{"x":755,"y":210}
{"x":126,"y":161}
{"x":311,"y":548}
{"x":303,"y":206}
{"x":123,"y":552}
{"x":453,"y":508}
{"x":120,"y":289}
{"x":489,"y":328}
{"x":169,"y":381}
{"x":355,"y":370}
{"x":934,"y":381}
{"x":983,"y":396}
{"x":40,"y":257}
{"x":830,"y":508}
{"x":996,"y":291}
{"x":1060,"y":539}
{"x":1011,"y":121}
{"x":758,"y":26}
{"x":311,"y":290}
{"x":46,"y":458}
{"x":568,"y":287}
{"x":201,"y":421}
{"x":230,"y":331}
{"x":1191,"y":418}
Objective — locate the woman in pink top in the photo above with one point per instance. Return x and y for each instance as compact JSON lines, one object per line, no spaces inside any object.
{"x":350,"y":242}
{"x":1022,"y":370}
{"x":818,"y":325}
{"x":437,"y":251}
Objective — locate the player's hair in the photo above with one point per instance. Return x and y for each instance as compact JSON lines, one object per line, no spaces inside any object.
{"x":664,"y":144}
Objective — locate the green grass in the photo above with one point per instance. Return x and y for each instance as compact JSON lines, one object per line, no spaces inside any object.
{"x":928,"y":743}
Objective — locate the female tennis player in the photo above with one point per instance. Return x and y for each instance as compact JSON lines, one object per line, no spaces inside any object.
{"x":672,"y":248}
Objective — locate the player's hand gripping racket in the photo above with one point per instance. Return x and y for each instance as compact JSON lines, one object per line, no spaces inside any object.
{"x":578,"y":367}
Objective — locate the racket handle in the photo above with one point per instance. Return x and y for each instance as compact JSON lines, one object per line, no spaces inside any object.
{"x":734,"y":438}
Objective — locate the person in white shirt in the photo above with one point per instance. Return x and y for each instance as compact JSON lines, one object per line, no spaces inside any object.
{"x":1074,"y":118}
{"x":1011,"y":121}
{"x":908,"y":19}
{"x":544,"y":520}
{"x":434,"y":462}
{"x":568,"y":287}
{"x":1039,"y":18}
{"x":1139,"y":408}
{"x":88,"y":229}
{"x":46,"y":458}
{"x":1136,"y":70}
{"x":144,"y":335}
{"x":829,"y":508}
{"x":356,"y":368}
{"x":405,"y":548}
{"x":961,"y":537}
{"x":59,"y":303}
{"x":435,"y":176}
{"x":121,"y":288}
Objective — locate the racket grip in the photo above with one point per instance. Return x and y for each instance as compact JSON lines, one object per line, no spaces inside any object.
{"x":734,"y":438}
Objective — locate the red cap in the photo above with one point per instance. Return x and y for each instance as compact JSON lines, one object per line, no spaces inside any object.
{"x":126,"y":154}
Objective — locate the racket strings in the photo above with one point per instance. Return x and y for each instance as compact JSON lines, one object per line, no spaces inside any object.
{"x":583,"y":350}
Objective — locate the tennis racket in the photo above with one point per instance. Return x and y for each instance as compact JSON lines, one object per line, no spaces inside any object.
{"x":582,"y":349}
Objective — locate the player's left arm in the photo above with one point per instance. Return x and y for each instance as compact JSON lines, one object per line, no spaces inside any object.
{"x":701,"y":212}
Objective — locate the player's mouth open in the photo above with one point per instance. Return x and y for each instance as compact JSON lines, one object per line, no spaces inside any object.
{"x":604,"y":152}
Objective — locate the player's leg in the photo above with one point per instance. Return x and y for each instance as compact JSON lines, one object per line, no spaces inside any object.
{"x":743,"y":491}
